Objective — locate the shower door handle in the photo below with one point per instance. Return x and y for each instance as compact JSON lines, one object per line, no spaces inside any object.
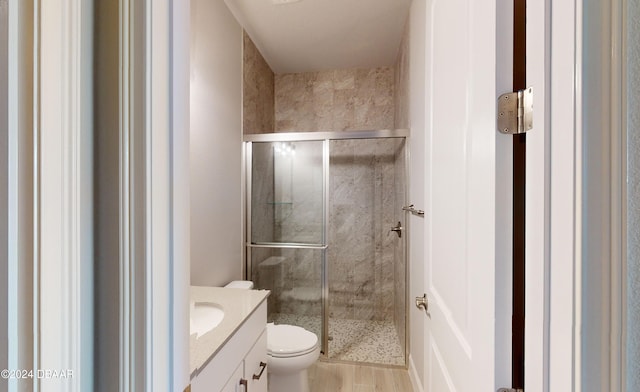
{"x":422,"y":303}
{"x":413,"y":210}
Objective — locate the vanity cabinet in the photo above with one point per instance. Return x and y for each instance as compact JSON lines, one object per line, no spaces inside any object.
{"x":240,"y":364}
{"x":255,"y":365}
{"x":233,"y":385}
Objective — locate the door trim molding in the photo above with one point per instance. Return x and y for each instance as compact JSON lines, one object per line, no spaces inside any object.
{"x":160,"y":192}
{"x":158,"y":199}
{"x":537,"y":237}
{"x":63,"y":193}
{"x":565,"y":198}
{"x":554,"y":198}
{"x":146,"y":263}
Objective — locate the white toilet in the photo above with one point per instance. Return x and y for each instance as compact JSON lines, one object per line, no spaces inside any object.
{"x":291,"y":350}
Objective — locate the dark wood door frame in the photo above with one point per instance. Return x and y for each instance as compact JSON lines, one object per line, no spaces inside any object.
{"x":519,"y":183}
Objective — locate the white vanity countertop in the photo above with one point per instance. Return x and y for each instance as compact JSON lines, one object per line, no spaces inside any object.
{"x":238,"y":305}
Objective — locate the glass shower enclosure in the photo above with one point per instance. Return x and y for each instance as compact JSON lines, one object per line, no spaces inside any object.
{"x":320,"y":209}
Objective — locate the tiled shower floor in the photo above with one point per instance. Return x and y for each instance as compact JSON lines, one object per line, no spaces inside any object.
{"x":365,"y":341}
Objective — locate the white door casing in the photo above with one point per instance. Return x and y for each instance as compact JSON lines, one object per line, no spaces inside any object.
{"x":553,"y":196}
{"x":465,"y":236}
{"x":537,"y":200}
{"x":563,"y":156}
{"x":63,"y":198}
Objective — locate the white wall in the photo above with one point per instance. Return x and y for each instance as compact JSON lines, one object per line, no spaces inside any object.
{"x":180,"y":21}
{"x":4,"y":178}
{"x":216,"y":142}
{"x":419,"y":153}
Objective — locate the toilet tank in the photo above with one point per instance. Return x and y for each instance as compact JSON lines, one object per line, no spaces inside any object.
{"x":240,"y":284}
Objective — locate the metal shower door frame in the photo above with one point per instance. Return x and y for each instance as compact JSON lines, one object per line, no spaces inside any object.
{"x":325,"y":137}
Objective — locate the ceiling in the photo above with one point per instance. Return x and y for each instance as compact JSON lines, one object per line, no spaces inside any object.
{"x":313,"y":35}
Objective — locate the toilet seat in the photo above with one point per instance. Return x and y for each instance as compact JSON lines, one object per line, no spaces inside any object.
{"x":290,"y":355}
{"x":285,"y":341}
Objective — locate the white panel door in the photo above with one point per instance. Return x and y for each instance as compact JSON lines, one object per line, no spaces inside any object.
{"x":460,"y":275}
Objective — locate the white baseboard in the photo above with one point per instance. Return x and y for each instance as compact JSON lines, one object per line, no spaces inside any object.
{"x":413,"y":375}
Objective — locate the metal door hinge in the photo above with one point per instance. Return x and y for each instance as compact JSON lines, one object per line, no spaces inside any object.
{"x":510,"y":390}
{"x":515,"y":112}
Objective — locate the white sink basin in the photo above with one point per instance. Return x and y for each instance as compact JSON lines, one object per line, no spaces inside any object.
{"x":205,"y":316}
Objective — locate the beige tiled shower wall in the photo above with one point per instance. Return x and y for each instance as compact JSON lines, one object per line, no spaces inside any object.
{"x":345,"y":99}
{"x":361,"y":212}
{"x":349,"y":99}
{"x":257,"y":91}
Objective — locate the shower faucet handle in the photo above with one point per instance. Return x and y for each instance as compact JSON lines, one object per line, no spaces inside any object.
{"x":398,"y":229}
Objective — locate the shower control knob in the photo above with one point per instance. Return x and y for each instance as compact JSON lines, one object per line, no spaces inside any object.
{"x":422,"y":303}
{"x":397,"y":229}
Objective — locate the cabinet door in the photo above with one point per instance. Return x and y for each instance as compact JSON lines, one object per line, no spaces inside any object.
{"x":255,"y":365}
{"x":234,"y":383}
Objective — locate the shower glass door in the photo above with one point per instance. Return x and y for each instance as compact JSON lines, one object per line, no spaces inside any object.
{"x":286,"y":244}
{"x":326,"y":233}
{"x":366,"y":258}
